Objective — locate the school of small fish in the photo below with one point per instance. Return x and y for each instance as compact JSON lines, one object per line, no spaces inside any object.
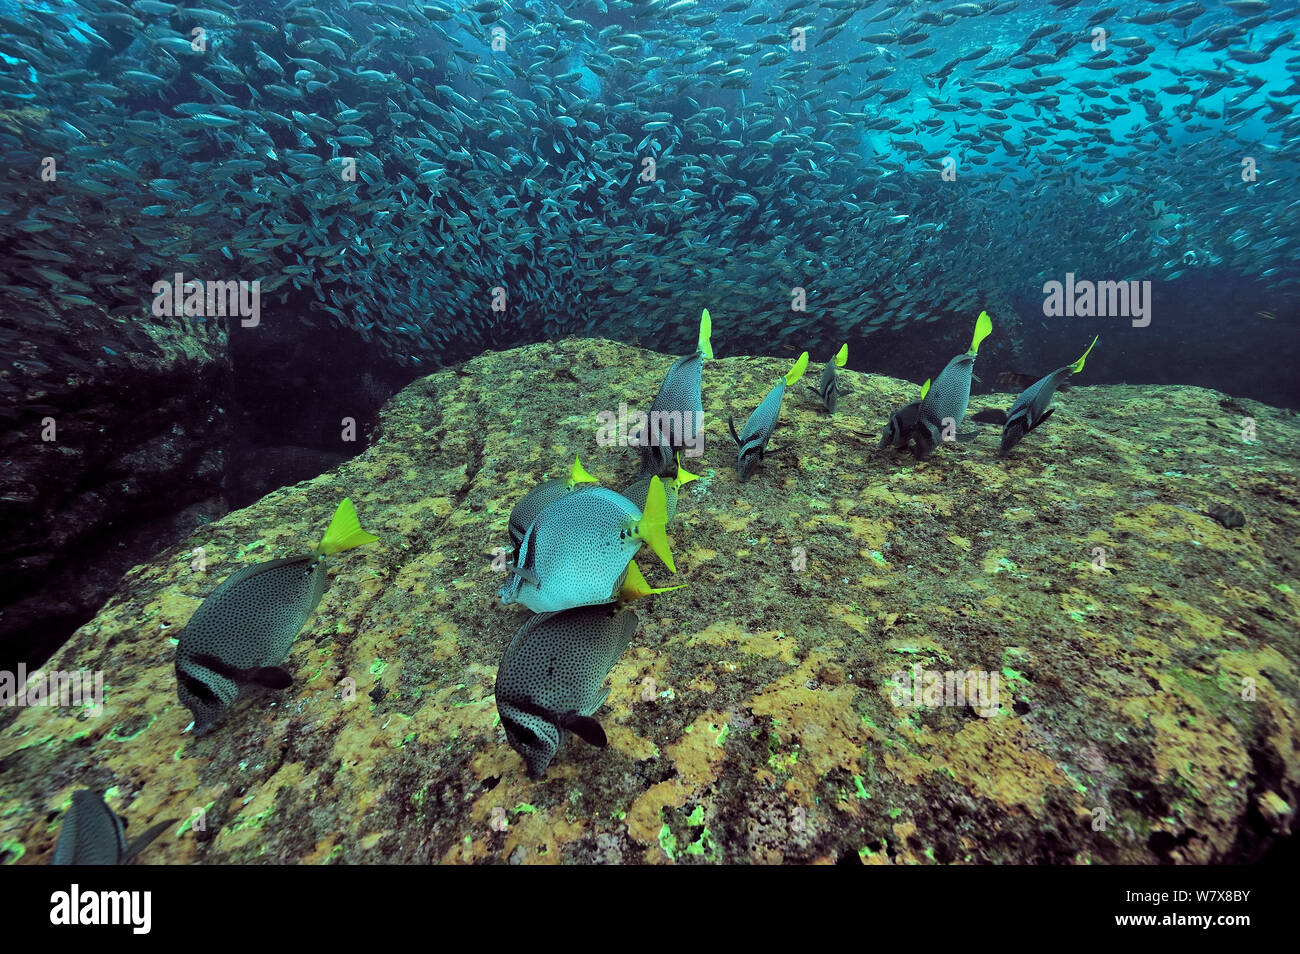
{"x":445,"y":177}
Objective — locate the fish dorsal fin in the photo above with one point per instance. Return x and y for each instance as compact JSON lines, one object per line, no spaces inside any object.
{"x":925,"y":389}
{"x":797,"y":371}
{"x":983,"y":328}
{"x":579,"y":475}
{"x":635,"y":585}
{"x":706,"y":331}
{"x":1078,"y":365}
{"x":650,"y":528}
{"x":345,"y":531}
{"x":842,"y":356}
{"x":684,"y":476}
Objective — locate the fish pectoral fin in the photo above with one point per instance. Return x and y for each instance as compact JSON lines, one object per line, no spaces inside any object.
{"x":968,"y":437}
{"x":141,"y":843}
{"x":585,"y":728}
{"x":731,"y":423}
{"x":1050,"y":412}
{"x":528,"y":576}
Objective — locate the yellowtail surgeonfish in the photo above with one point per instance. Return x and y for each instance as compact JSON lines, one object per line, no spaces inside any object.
{"x":550,"y":681}
{"x":577,"y":551}
{"x":92,"y":834}
{"x":241,"y":634}
{"x":677,"y":413}
{"x":828,"y":388}
{"x":637,"y":492}
{"x":535,"y":501}
{"x":751,"y":443}
{"x":1031,"y":408}
{"x":944,"y":403}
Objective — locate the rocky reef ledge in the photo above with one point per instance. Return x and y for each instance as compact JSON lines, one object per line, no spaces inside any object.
{"x":1144,"y":655}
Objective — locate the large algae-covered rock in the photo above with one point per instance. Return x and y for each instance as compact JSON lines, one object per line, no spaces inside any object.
{"x":1133,"y":690}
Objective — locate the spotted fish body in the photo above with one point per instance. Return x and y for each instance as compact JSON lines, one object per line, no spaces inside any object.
{"x":536,"y":500}
{"x":551,"y":679}
{"x":637,"y":491}
{"x":950,"y":393}
{"x":249,"y":622}
{"x":1031,"y":407}
{"x":751,"y":442}
{"x":577,"y":551}
{"x":92,"y":834}
{"x":680,"y":394}
{"x":243,"y":631}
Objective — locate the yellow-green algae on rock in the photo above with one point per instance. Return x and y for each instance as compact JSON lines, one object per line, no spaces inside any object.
{"x":1146,"y":655}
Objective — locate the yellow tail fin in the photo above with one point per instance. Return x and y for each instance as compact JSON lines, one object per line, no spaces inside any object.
{"x":578,"y":475}
{"x":797,"y":371}
{"x":842,"y":356}
{"x":1078,"y":365}
{"x":983,"y":328}
{"x":706,"y":330}
{"x":345,"y":531}
{"x":650,"y":528}
{"x":635,"y":586}
{"x":684,"y":476}
{"x":925,"y":389}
